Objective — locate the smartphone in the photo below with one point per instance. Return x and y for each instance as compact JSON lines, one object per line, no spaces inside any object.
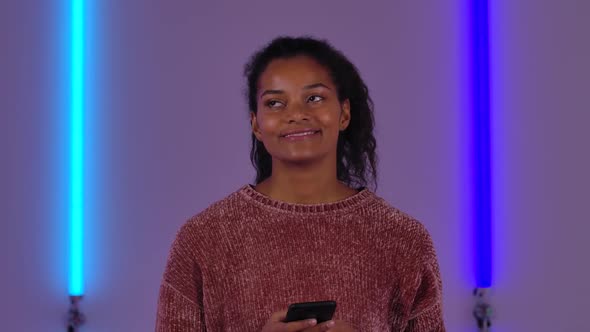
{"x":322,"y":311}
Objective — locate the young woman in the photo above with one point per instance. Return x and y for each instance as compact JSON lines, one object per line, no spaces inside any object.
{"x":309,"y":229}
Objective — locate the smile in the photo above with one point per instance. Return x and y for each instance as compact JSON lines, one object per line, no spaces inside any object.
{"x":301,"y":135}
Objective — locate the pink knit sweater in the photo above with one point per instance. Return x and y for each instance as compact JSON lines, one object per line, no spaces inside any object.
{"x":248,"y":255}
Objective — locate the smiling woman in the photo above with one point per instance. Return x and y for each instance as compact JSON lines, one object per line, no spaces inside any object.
{"x":312,"y":83}
{"x":299,"y":118}
{"x":309,"y":229}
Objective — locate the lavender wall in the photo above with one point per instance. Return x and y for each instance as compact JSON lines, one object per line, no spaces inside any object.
{"x":168,"y":135}
{"x":32,"y":212}
{"x":541,"y":111}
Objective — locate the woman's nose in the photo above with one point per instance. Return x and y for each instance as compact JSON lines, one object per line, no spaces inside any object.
{"x":297,"y":112}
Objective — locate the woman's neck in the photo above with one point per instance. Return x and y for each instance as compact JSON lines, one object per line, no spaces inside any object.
{"x":298,"y":184}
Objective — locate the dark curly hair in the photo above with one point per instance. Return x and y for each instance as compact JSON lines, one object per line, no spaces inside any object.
{"x":356,"y":157}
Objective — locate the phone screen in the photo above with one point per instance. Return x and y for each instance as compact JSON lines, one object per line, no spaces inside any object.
{"x":322,"y":311}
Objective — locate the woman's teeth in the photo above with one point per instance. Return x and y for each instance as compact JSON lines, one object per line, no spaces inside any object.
{"x":301,"y":134}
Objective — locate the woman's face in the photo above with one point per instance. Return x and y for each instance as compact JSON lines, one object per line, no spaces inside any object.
{"x":299,"y":115}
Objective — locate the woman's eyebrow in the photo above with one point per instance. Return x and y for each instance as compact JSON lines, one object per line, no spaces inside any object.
{"x":307,"y":87}
{"x":271,"y":92}
{"x":316,"y":85}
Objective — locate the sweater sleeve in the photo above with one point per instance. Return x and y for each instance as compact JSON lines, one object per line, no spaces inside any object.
{"x":426,"y":313}
{"x":180,"y":307}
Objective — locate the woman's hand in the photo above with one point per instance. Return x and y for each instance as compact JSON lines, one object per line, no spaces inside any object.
{"x":276,"y":324}
{"x":341,"y":326}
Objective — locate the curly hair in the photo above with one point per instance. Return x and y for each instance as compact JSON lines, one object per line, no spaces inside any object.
{"x":356,"y":156}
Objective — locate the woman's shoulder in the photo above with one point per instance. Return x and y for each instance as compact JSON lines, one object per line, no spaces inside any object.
{"x":216,"y":218}
{"x":394,"y":219}
{"x":219,"y":210}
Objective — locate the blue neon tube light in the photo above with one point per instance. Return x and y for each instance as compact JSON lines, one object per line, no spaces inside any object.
{"x":481,"y":142}
{"x":76,"y":272}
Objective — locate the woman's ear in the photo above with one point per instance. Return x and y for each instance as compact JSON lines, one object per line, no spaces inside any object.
{"x":345,"y":115}
{"x":254,"y":125}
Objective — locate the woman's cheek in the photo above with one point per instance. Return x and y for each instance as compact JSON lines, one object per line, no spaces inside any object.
{"x":269,"y":124}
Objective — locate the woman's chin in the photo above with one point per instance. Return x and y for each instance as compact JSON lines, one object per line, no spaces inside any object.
{"x":301,"y":159}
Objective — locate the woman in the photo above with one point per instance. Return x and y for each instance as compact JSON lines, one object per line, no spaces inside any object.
{"x":309,"y":229}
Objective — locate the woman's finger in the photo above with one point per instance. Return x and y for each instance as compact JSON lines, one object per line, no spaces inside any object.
{"x":278,"y":316}
{"x":301,"y":325}
{"x":325,"y":326}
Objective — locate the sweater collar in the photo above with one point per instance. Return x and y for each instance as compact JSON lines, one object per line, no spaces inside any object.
{"x":361,"y":196}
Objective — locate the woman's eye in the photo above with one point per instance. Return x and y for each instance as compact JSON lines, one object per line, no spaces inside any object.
{"x":315,"y":99}
{"x":274,"y":103}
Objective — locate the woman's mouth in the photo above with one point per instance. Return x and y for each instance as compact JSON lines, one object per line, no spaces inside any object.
{"x":301,"y":135}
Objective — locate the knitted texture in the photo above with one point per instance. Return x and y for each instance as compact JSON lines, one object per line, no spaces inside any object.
{"x":248,"y":255}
